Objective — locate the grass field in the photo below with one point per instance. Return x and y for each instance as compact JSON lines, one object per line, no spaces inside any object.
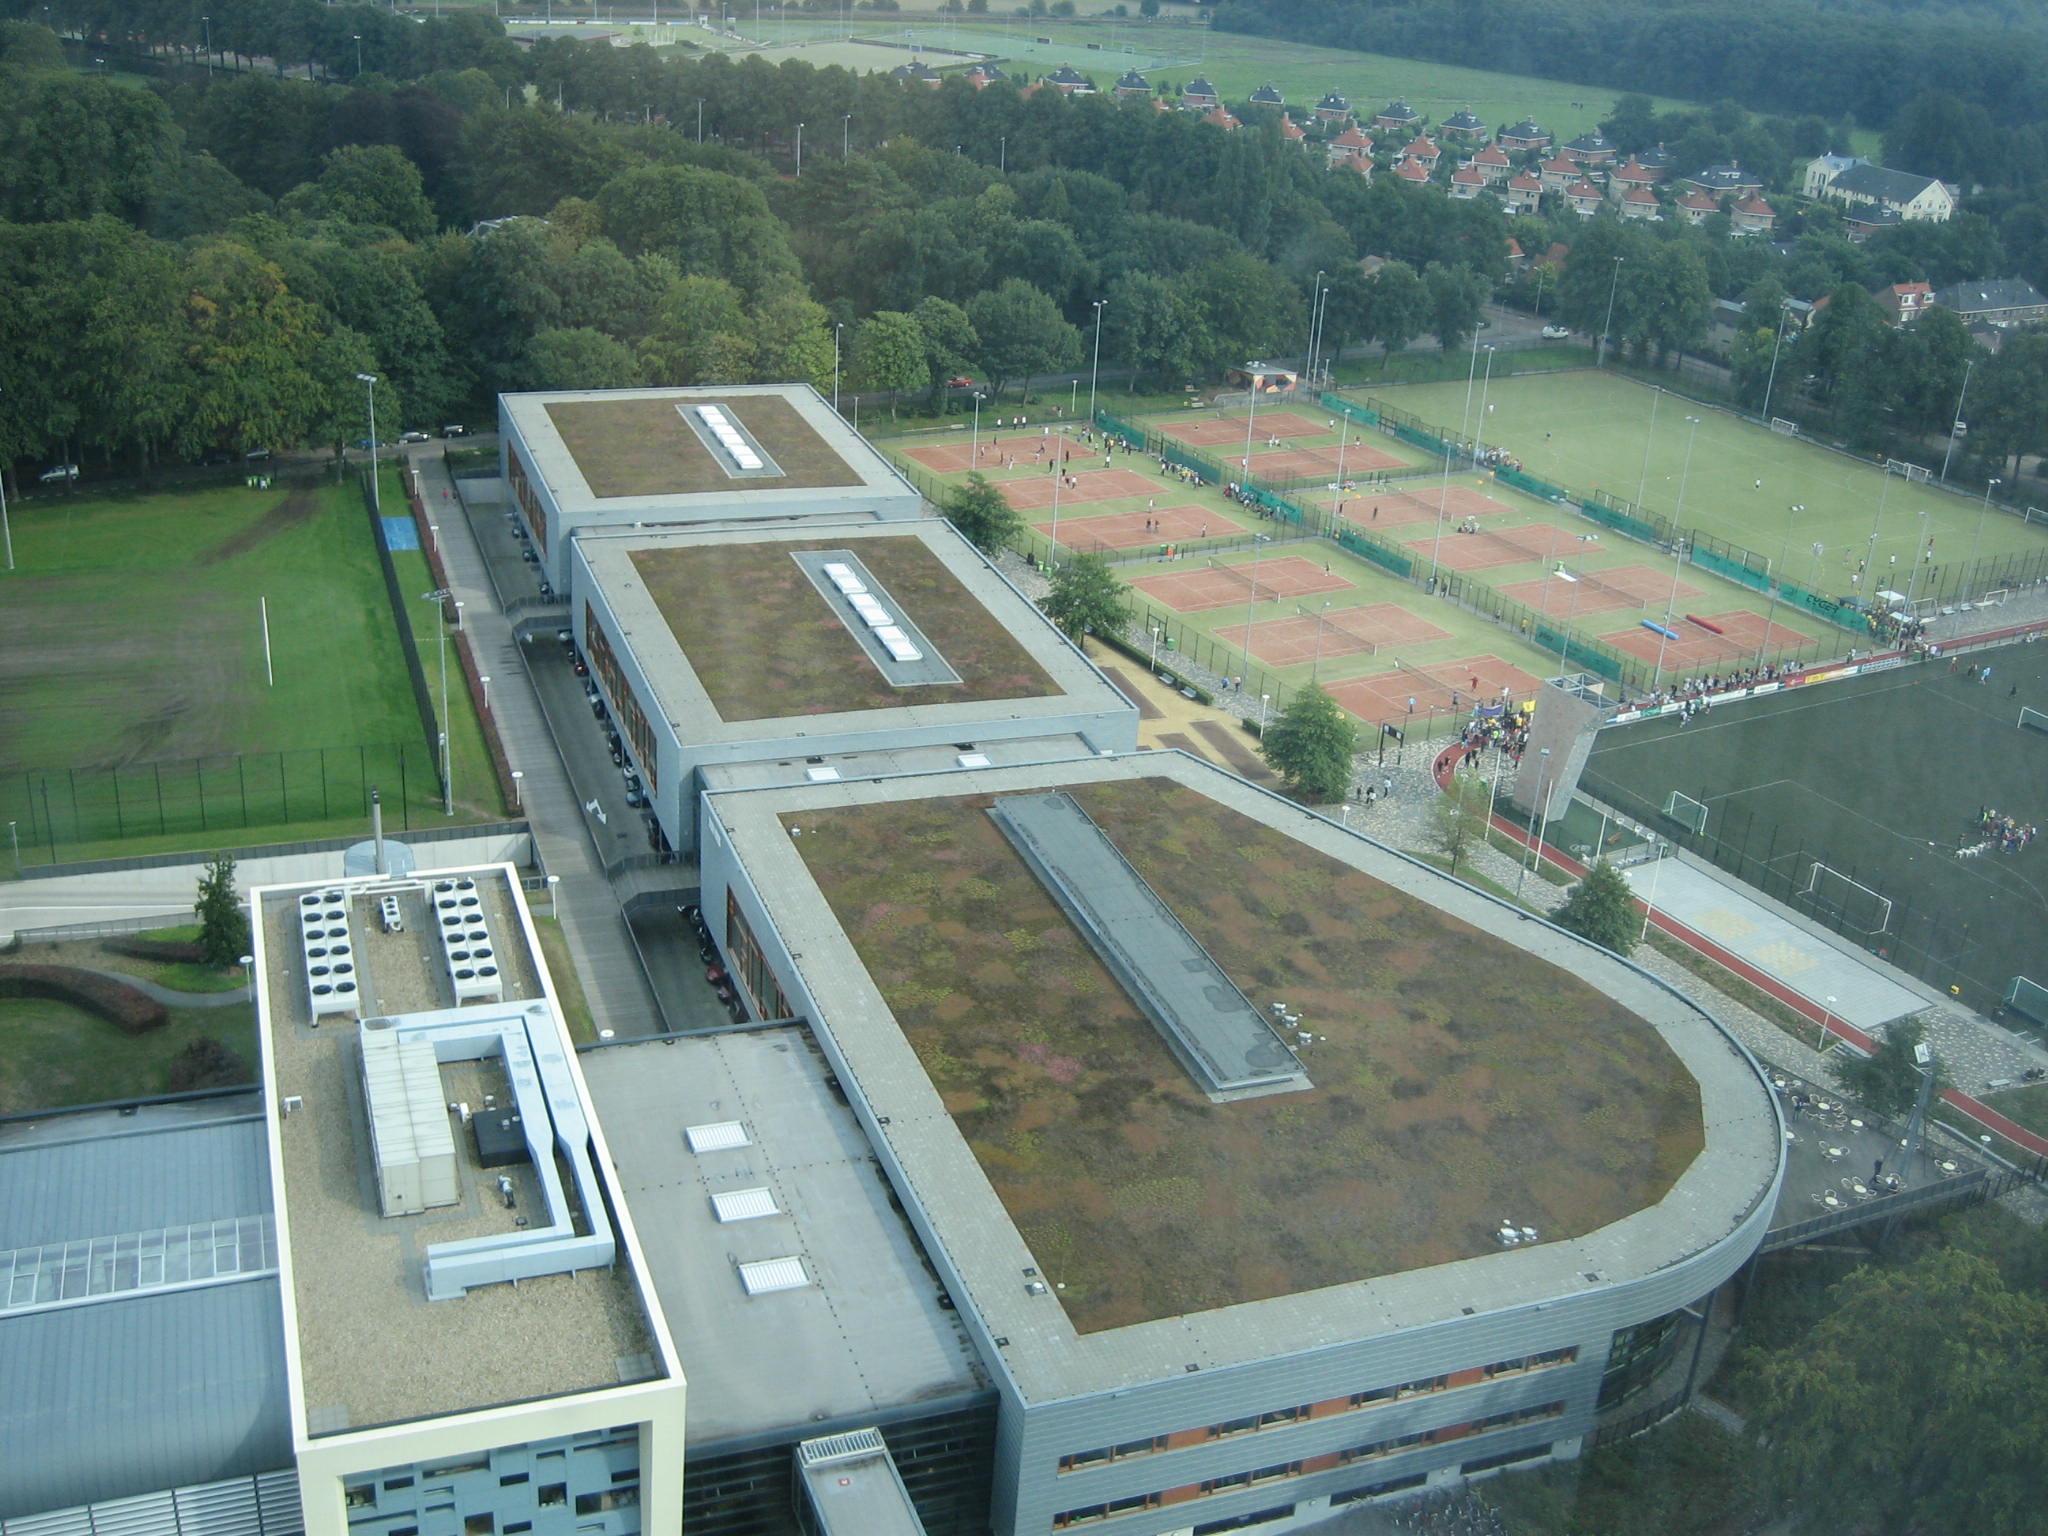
{"x":1593,"y":431}
{"x":135,"y":715}
{"x":1880,"y":779}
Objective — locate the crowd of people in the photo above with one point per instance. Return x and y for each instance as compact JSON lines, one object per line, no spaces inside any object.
{"x":1500,"y":731}
{"x":1896,"y":629}
{"x":1696,"y":690}
{"x":1993,"y":829}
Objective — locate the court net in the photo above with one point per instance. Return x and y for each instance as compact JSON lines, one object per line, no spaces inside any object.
{"x":1256,"y":591}
{"x":1337,"y":622}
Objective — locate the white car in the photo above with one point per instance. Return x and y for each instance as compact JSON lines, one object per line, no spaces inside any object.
{"x":1556,"y":332}
{"x":59,"y":473}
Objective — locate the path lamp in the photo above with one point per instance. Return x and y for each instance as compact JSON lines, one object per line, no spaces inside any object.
{"x":369,"y":383}
{"x":1151,"y":629}
{"x":1095,"y":368}
{"x":974,"y":448}
{"x":1957,"y":427}
{"x":518,"y":802}
{"x":1607,"y":325}
{"x":799,"y":149}
{"x":485,"y":679}
{"x":440,"y":597}
{"x":207,"y":22}
{"x":1265,"y":704}
{"x":846,"y":136}
{"x":1976,"y":543}
{"x":1826,"y":1019}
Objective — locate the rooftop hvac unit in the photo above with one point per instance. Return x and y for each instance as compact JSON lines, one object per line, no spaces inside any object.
{"x":466,"y":947}
{"x":328,"y":949}
{"x":411,"y":1142}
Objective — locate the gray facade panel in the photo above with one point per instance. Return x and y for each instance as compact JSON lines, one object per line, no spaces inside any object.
{"x":151,"y":1173}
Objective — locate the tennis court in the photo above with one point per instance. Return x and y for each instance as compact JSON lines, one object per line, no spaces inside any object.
{"x":1351,"y":459}
{"x":1409,"y":690}
{"x":1705,"y":641}
{"x":1310,"y":635}
{"x":993,"y":454}
{"x":1127,"y":530}
{"x":1491,"y":547}
{"x":1221,"y":431}
{"x":1589,"y":592}
{"x":1401,"y":508}
{"x":1027,"y":493}
{"x":1199,"y":588}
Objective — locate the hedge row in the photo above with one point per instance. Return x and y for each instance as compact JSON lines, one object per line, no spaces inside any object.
{"x":121,"y":1005}
{"x":171,"y":951}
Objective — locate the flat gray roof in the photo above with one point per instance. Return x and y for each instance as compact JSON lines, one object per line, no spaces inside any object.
{"x":1721,"y":1188}
{"x":681,"y":699}
{"x":371,"y":1348}
{"x":866,"y":1332}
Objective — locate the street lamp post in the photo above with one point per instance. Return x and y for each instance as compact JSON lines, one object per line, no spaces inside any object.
{"x":518,"y":800}
{"x":1150,"y":629}
{"x":846,"y":136}
{"x":1956,"y":427}
{"x":974,"y":448}
{"x":369,"y":383}
{"x":1095,"y":367}
{"x":207,"y":22}
{"x":1542,"y":819}
{"x":1265,"y":703}
{"x":838,"y":330}
{"x":358,"y":39}
{"x":1970,"y":571}
{"x":1826,"y":1021}
{"x":1677,"y":562}
{"x":440,"y":597}
{"x":799,"y":149}
{"x":485,"y":679}
{"x":1607,"y":325}
{"x":1564,"y":658}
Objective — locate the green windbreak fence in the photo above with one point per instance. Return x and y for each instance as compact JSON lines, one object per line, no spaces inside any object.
{"x":1379,"y":554}
{"x":1619,"y":521}
{"x":1428,"y":442}
{"x":1173,"y":453}
{"x":1364,"y":415}
{"x":1116,"y":425}
{"x":1734,"y":570}
{"x":1834,"y":612}
{"x":1529,"y":483}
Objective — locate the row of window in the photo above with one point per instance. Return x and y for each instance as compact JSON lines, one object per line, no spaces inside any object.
{"x":1279,"y":1417}
{"x":1235,"y":1482}
{"x":606,"y":664}
{"x":743,"y":955}
{"x":529,"y":503}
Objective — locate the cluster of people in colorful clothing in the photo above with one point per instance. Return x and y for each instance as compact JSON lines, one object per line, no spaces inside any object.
{"x":2005,"y":833}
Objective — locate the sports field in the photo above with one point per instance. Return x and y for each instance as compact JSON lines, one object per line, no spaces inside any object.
{"x":1590,"y":431}
{"x":1880,"y":779}
{"x":134,"y":654}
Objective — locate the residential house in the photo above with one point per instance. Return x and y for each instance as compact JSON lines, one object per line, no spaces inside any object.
{"x":1659,"y":162}
{"x":1525,"y":137}
{"x":1424,"y":152}
{"x":1131,"y":86}
{"x":1198,"y":95}
{"x":1583,"y":198}
{"x":1754,"y":216}
{"x":2001,"y":302}
{"x":1905,"y":302}
{"x":917,"y":72}
{"x":1726,"y":181}
{"x":1525,"y":191}
{"x":1593,"y":149}
{"x":1641,"y":203}
{"x":1221,"y":117}
{"x":1866,"y":219}
{"x":1695,"y":205}
{"x":1290,"y":130}
{"x":1410,"y":170}
{"x":1860,"y":183}
{"x":1268,"y":96}
{"x":1823,"y":169}
{"x":1493,"y":163}
{"x":1464,"y":127}
{"x":1069,"y":81}
{"x":1558,"y":172}
{"x":1398,"y":115}
{"x":1334,"y":109}
{"x":981,"y":76}
{"x":1350,"y":145}
{"x":1627,"y":178}
{"x":1466,"y":182}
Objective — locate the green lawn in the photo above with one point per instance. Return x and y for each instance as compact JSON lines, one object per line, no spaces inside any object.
{"x":135,"y":710}
{"x":58,"y":1055}
{"x":1590,"y":431}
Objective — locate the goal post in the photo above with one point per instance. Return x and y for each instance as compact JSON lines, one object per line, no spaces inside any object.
{"x":1686,"y":811}
{"x":2033,"y":720}
{"x":1919,"y":474}
{"x":1784,"y":426}
{"x":1854,"y":903}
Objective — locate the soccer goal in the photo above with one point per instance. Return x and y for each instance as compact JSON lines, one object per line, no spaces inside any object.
{"x":1686,"y":811}
{"x":1849,"y":902}
{"x":1919,"y":474}
{"x":1784,"y":426}
{"x":2033,"y":720}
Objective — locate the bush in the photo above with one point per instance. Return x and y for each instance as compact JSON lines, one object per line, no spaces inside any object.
{"x":131,"y":1011}
{"x":206,"y":1063}
{"x":170,"y":951}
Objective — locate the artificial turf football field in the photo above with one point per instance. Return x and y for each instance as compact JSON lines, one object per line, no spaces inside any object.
{"x":1880,"y":778}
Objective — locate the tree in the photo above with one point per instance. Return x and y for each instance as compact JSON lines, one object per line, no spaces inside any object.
{"x":1453,"y":296}
{"x":1601,"y":908}
{"x":983,"y":514}
{"x":1917,"y":1404}
{"x":1021,"y":333}
{"x":888,"y":354}
{"x":1396,"y":308}
{"x":207,"y":1063}
{"x":1457,"y":822}
{"x":368,"y":184}
{"x":223,"y":924}
{"x":1086,"y":595}
{"x":1312,"y":744}
{"x":1887,"y":1082}
{"x":576,"y":357}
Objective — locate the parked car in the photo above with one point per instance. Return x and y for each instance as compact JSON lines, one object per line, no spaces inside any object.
{"x":59,"y":473}
{"x":415,"y":437}
{"x":963,"y":382}
{"x":1556,"y":332}
{"x":215,"y":459}
{"x":455,"y":429}
{"x":258,"y":455}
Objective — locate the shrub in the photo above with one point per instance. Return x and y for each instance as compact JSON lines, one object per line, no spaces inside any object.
{"x":207,"y":1063}
{"x":127,"y":1009}
{"x":170,"y":951}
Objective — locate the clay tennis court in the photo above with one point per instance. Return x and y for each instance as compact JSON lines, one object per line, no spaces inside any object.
{"x":1307,"y":637}
{"x":1384,"y":699}
{"x":1488,"y":548}
{"x":1697,"y":648}
{"x":1027,"y":493}
{"x":1420,"y":506}
{"x":1223,"y":430}
{"x":950,"y":458}
{"x":1358,"y":459}
{"x":1127,"y":530}
{"x":1628,"y":586}
{"x":1198,"y":588}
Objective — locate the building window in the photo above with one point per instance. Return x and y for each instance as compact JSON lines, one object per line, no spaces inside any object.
{"x":529,"y":501}
{"x":392,"y":1484}
{"x":456,"y":1468}
{"x":479,"y":1525}
{"x":511,"y":1478}
{"x":1233,"y":1427}
{"x":361,"y":1496}
{"x":598,"y":1503}
{"x":553,"y":1493}
{"x":604,"y":662}
{"x":743,"y":954}
{"x":516,"y":1527}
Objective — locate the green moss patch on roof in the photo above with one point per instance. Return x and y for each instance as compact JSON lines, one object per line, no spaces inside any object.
{"x":1463,"y":1081}
{"x":766,"y":644}
{"x":645,"y":448}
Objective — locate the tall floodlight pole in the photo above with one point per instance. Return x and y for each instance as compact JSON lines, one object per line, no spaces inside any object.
{"x":846,"y":136}
{"x":799,"y":149}
{"x":1778,"y":583}
{"x":440,"y":597}
{"x":1956,"y":427}
{"x":369,"y":382}
{"x":1095,"y":368}
{"x":1485,"y":389}
{"x":1970,"y":571}
{"x":1677,"y":564}
{"x":1771,"y":383}
{"x":1643,"y":480}
{"x":974,"y":449}
{"x":838,"y":328}
{"x":1607,"y":325}
{"x":207,"y":22}
{"x":1315,"y":315}
{"x":1542,"y":819}
{"x":358,"y":38}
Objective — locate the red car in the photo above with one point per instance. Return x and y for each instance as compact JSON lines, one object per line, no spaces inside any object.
{"x":960,"y":383}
